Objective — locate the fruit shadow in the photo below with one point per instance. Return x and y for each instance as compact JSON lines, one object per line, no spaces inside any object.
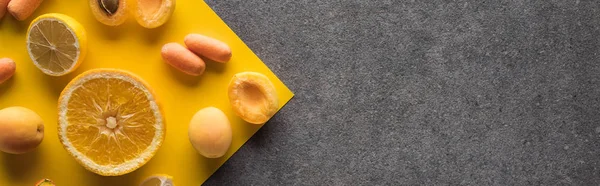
{"x":208,"y":164}
{"x":211,"y":163}
{"x":113,"y":32}
{"x":133,"y":178}
{"x":20,"y":27}
{"x":213,"y":66}
{"x":7,"y":84}
{"x":188,"y":80}
{"x":19,"y":166}
{"x":58,"y":83}
{"x":261,"y":137}
{"x":247,"y":129}
{"x":153,"y":35}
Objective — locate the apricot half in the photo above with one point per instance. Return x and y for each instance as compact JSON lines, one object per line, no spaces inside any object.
{"x":253,"y":97}
{"x":153,"y":13}
{"x":109,"y":12}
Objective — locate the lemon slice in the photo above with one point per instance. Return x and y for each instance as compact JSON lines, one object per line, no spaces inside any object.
{"x":109,"y":121}
{"x":56,"y":43}
{"x":158,"y":180}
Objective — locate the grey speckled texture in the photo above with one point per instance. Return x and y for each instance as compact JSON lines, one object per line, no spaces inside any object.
{"x":424,"y":92}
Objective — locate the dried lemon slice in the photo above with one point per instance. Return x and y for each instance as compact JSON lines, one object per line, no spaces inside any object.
{"x":109,"y":121}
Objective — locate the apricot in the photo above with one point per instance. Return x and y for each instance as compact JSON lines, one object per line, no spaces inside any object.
{"x":153,"y":13}
{"x":253,"y":97}
{"x":210,"y":132}
{"x":7,"y":69}
{"x":109,"y":12}
{"x":22,"y":130}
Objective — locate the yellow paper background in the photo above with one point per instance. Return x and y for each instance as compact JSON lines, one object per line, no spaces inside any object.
{"x":136,"y":49}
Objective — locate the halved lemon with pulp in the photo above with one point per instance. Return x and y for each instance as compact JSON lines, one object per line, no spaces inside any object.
{"x":56,"y":43}
{"x":109,"y":121}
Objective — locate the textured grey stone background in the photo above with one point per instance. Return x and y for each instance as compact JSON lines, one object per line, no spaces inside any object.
{"x":424,"y":92}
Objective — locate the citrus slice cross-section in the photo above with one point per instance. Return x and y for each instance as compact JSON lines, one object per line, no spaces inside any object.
{"x":109,"y":121}
{"x":158,"y":180}
{"x":56,"y":43}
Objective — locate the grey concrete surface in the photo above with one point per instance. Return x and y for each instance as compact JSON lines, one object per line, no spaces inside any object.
{"x":424,"y":92}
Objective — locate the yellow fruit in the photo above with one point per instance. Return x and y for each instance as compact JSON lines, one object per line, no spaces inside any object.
{"x":22,"y":130}
{"x":45,"y":182}
{"x":109,"y":121}
{"x":253,"y":97}
{"x":56,"y":43}
{"x":210,"y":132}
{"x":158,"y":180}
{"x":109,"y":12}
{"x":153,"y":13}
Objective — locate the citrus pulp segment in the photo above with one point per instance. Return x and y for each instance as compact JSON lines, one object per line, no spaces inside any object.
{"x":109,"y":121}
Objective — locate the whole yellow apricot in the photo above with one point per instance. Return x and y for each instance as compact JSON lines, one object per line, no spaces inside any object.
{"x":210,"y":132}
{"x":22,"y":130}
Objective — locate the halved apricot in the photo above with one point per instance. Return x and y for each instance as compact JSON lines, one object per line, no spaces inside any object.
{"x":153,"y":13}
{"x":253,"y":97}
{"x":109,"y":12}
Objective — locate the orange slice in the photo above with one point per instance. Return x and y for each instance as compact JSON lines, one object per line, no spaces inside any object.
{"x":109,"y":121}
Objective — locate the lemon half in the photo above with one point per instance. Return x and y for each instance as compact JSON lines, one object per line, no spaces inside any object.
{"x":56,"y":43}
